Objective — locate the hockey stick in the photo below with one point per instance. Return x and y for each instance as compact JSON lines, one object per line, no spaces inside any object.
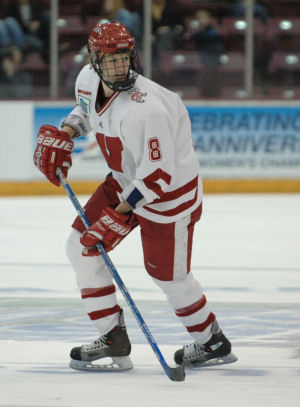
{"x":174,"y":373}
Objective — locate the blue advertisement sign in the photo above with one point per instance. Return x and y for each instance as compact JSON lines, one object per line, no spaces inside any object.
{"x":247,"y":141}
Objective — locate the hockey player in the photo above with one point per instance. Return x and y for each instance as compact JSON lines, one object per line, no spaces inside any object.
{"x":144,"y":133}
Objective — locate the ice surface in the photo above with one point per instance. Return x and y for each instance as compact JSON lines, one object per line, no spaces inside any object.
{"x":247,"y":258}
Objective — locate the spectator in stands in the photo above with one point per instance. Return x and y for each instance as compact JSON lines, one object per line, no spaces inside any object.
{"x":14,"y":83}
{"x":130,"y":16}
{"x":35,"y":23}
{"x":168,"y":26}
{"x":208,"y":42}
{"x":129,"y":13}
{"x":11,"y":33}
{"x":260,"y":10}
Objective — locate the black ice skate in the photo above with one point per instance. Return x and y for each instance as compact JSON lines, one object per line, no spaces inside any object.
{"x":115,"y":345}
{"x":217,"y":351}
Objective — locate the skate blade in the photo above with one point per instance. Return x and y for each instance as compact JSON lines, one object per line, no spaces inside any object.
{"x":223,"y":360}
{"x":119,"y":363}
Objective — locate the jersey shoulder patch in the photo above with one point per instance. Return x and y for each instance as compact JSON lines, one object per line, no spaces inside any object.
{"x":85,"y":84}
{"x":137,"y":95}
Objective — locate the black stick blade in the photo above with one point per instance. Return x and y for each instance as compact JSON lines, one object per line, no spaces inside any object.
{"x":177,"y":374}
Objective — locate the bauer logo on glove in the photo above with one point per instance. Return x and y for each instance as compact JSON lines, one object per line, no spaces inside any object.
{"x":55,"y":143}
{"x":115,"y":226}
{"x":54,"y":148}
{"x":109,"y":230}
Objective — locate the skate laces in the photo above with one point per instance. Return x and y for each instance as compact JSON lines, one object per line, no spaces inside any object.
{"x":99,"y":343}
{"x":194,"y":350}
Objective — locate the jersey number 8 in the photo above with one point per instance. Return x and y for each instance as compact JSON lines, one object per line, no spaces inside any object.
{"x":154,"y":149}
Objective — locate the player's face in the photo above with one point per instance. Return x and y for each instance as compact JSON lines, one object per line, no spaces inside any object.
{"x":115,"y":67}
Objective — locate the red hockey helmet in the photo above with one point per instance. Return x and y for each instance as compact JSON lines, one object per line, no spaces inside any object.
{"x":113,"y":38}
{"x":110,"y":37}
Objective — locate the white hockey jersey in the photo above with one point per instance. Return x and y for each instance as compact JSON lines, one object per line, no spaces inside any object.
{"x":145,"y":137}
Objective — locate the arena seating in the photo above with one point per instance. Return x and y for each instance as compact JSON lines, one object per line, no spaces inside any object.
{"x":280,"y":37}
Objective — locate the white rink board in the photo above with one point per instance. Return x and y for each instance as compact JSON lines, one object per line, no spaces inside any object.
{"x":16,"y":143}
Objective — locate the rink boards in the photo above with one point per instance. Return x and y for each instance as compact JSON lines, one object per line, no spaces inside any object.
{"x":242,"y":147}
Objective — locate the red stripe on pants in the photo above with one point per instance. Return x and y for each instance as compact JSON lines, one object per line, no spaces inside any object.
{"x":191,"y":309}
{"x":195,"y":216}
{"x":104,"y":312}
{"x":203,"y":326}
{"x":97,"y":292}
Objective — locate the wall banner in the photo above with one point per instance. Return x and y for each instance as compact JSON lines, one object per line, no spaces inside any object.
{"x":247,"y":142}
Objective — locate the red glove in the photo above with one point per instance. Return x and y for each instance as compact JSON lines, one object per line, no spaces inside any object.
{"x":53,"y":150}
{"x":110,"y":230}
